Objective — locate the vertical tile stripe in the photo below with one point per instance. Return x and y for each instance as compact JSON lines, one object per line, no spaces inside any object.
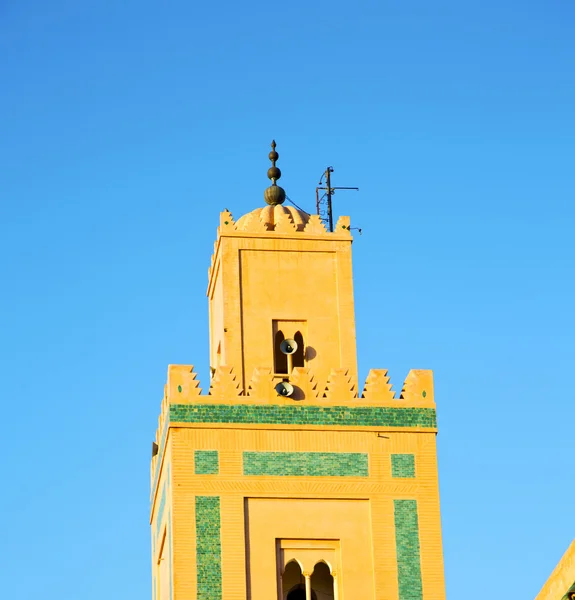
{"x":407,"y":547}
{"x":208,"y":548}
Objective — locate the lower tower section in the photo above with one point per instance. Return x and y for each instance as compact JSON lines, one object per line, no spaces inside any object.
{"x":258,"y":497}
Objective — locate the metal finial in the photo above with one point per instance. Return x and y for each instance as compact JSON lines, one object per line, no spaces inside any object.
{"x":274,"y":194}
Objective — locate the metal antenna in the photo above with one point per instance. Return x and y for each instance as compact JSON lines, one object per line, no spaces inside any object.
{"x":324,"y":209}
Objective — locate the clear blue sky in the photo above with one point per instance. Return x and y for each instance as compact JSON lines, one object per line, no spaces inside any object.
{"x":126,"y":127}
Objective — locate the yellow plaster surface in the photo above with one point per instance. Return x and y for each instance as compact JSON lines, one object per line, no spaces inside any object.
{"x":562,"y":580}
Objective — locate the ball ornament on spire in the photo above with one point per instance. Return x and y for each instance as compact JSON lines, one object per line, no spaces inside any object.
{"x":274,"y":194}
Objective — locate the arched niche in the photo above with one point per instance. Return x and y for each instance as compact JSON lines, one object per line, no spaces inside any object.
{"x":322,"y":582}
{"x":292,"y":577}
{"x":280,"y":359}
{"x":299,"y":354}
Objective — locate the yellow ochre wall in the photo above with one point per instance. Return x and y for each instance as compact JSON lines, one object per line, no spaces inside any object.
{"x":257,"y":277}
{"x":561,"y":583}
{"x":245,"y":480}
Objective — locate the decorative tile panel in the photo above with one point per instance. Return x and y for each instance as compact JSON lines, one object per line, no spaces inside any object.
{"x":208,"y":548}
{"x":307,"y":464}
{"x":206,"y":462}
{"x":407,"y":548}
{"x":402,"y":465}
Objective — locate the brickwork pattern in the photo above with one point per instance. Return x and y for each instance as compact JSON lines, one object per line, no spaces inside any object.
{"x":402,"y":465}
{"x":206,"y":462}
{"x":367,"y":416}
{"x":407,"y":548}
{"x":307,"y":464}
{"x":208,"y":548}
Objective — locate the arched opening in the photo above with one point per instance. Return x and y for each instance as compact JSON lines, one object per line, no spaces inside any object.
{"x":293,"y":583}
{"x":297,"y":594}
{"x":280,"y":359}
{"x":322,"y":582}
{"x":298,"y":356}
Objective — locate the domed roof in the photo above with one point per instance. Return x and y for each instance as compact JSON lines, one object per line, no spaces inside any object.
{"x":270,"y":216}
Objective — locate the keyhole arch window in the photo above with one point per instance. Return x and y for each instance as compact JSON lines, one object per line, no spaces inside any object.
{"x":280,"y":359}
{"x":288,"y":330}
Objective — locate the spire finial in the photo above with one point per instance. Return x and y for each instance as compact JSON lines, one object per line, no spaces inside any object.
{"x":274,"y":194}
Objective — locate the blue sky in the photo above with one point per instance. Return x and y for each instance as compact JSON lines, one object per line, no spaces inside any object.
{"x":128,"y":126}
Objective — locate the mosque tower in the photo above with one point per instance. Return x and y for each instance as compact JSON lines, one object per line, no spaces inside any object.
{"x":288,"y":480}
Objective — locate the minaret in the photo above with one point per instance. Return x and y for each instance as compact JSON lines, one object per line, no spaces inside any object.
{"x":278,"y":274}
{"x":287,"y":480}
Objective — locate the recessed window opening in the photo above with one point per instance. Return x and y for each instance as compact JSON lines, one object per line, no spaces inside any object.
{"x":298,"y":593}
{"x":322,"y":581}
{"x":299,"y":354}
{"x":280,"y":359}
{"x":293,"y":582}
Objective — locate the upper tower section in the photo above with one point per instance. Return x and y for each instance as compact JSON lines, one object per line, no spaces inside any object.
{"x":276,"y":274}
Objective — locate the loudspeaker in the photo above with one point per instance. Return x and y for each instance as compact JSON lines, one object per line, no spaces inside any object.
{"x":288,"y":346}
{"x":283,"y":388}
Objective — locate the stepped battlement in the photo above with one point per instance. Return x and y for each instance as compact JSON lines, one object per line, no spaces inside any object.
{"x":278,"y":222}
{"x":335,"y":403}
{"x":183,"y":388}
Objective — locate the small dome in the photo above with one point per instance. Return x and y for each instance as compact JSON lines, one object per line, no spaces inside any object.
{"x":270,"y":215}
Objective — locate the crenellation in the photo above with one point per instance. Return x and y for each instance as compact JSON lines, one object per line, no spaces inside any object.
{"x":343,"y":226}
{"x":280,"y":220}
{"x":285,"y":224}
{"x":227,"y":221}
{"x":183,"y":387}
{"x":225,"y":386}
{"x":305,"y":386}
{"x":315,"y":226}
{"x":261,"y":386}
{"x":340,"y":386}
{"x":418,"y":388}
{"x":377,"y":387}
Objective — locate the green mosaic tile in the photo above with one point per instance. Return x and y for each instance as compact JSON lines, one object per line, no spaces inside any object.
{"x":206,"y":462}
{"x":312,"y":464}
{"x":208,"y":548}
{"x":272,"y":414}
{"x":407,"y":548}
{"x":402,"y":465}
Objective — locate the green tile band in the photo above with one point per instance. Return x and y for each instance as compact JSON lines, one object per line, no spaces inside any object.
{"x":208,"y":548}
{"x":402,"y":465}
{"x":272,"y":414}
{"x":311,"y":464}
{"x":206,"y":462}
{"x":407,"y":548}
